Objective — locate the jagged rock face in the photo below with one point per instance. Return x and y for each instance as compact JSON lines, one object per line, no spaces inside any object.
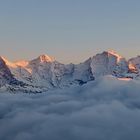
{"x":45,"y":73}
{"x":134,"y":66}
{"x":53,"y":74}
{"x":6,"y":76}
{"x":135,"y":63}
{"x":42,"y":59}
{"x":108,"y":63}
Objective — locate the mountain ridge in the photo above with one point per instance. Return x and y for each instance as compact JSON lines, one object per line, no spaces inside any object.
{"x":44,"y":72}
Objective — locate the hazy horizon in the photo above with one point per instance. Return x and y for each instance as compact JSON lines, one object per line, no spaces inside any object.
{"x":63,"y":61}
{"x":70,"y":31}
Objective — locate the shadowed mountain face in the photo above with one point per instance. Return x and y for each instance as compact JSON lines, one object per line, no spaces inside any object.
{"x":6,"y":76}
{"x":45,"y":73}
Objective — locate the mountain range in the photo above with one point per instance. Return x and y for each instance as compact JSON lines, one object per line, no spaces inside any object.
{"x":45,"y":73}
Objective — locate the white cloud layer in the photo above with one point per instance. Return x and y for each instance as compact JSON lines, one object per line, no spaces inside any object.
{"x":107,"y":109}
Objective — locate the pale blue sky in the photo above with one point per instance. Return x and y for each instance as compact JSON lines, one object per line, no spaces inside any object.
{"x":70,"y":30}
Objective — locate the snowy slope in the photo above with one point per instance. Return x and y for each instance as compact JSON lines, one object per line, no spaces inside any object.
{"x":109,"y":63}
{"x":134,"y":64}
{"x":45,"y":72}
{"x":6,"y":76}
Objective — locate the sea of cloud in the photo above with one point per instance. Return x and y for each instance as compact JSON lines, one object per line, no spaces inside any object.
{"x":106,"y":109}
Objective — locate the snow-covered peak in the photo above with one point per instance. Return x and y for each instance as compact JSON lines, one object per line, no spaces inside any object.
{"x":109,"y":62}
{"x":45,"y":72}
{"x":22,"y":63}
{"x":113,"y":53}
{"x":7,"y":62}
{"x":43,"y":58}
{"x":135,"y":62}
{"x":2,"y":60}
